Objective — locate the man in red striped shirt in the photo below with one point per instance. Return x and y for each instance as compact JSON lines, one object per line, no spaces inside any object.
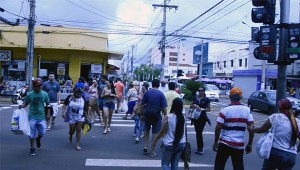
{"x":230,"y":132}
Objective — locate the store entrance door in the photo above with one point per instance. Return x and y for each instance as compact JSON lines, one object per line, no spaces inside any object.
{"x":86,"y":72}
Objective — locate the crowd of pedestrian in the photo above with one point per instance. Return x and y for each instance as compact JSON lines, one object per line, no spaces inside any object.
{"x":159,"y":110}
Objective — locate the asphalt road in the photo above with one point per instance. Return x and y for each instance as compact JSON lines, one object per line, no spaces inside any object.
{"x":114,"y":151}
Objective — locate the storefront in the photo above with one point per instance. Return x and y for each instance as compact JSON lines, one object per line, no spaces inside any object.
{"x":66,"y":52}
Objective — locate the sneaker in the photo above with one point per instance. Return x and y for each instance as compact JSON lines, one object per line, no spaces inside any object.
{"x":108,"y":129}
{"x":32,"y":152}
{"x":145,"y":150}
{"x":200,"y":151}
{"x":133,"y":135}
{"x":38,"y":142}
{"x":105,"y":131}
{"x":152,"y":155}
{"x":48,"y":129}
{"x":142,"y":135}
{"x":53,"y":124}
{"x":116,"y":111}
{"x":137,"y":140}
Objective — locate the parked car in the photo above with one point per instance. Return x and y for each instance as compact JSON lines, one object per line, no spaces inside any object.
{"x":211,"y":92}
{"x":266,"y":101}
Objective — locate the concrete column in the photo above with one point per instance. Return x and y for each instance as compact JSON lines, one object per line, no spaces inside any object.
{"x":74,"y":68}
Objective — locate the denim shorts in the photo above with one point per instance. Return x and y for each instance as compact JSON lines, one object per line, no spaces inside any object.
{"x":37,"y":125}
{"x":131,"y":105}
{"x":109,"y":105}
{"x":155,"y":123}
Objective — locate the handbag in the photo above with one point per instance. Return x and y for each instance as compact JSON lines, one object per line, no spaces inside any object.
{"x":138,"y":108}
{"x":265,"y":143}
{"x":186,"y":153}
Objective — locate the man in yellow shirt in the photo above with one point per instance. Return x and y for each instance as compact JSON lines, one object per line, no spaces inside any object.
{"x":171,"y":95}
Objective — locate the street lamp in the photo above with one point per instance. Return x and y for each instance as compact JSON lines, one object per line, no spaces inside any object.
{"x":178,"y":51}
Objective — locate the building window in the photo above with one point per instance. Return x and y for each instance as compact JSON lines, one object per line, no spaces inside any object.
{"x":246,"y":62}
{"x":231,"y":63}
{"x":172,"y":59}
{"x":218,"y":64}
{"x":240,"y":62}
{"x":224,"y":64}
{"x":173,"y":54}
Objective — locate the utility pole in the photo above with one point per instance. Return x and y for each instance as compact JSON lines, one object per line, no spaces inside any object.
{"x":127,"y":67}
{"x":263,"y":75}
{"x":132,"y":46}
{"x":163,"y":40}
{"x":200,"y":62}
{"x":281,"y":75}
{"x":30,"y":44}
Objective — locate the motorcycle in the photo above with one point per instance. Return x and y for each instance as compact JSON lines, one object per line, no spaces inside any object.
{"x":19,"y":94}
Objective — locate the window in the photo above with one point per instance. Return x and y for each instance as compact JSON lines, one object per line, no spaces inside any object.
{"x":173,"y":54}
{"x":174,"y":71}
{"x":172,"y":59}
{"x":246,"y":62}
{"x":240,"y":62}
{"x":218,"y":64}
{"x":224,"y":64}
{"x":231,"y":63}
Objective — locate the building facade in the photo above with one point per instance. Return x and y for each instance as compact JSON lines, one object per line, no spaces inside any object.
{"x":64,"y":51}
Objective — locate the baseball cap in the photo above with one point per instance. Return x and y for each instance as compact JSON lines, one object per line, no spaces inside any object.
{"x":37,"y":82}
{"x":236,"y":93}
{"x":136,"y":83}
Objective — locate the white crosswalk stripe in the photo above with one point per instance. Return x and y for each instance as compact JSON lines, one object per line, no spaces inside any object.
{"x":133,"y":163}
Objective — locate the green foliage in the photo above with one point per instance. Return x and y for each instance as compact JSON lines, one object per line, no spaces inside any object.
{"x":190,"y":88}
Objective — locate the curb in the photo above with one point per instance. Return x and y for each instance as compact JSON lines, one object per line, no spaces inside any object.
{"x":5,"y":98}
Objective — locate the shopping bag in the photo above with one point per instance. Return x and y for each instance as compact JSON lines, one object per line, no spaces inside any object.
{"x":86,"y":127}
{"x":19,"y":122}
{"x":124,"y":107}
{"x":194,"y":114}
{"x":264,"y":145}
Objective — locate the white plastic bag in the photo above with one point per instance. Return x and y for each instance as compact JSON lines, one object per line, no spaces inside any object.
{"x":124,"y":107}
{"x":19,"y":122}
{"x":194,"y":114}
{"x":265,"y":143}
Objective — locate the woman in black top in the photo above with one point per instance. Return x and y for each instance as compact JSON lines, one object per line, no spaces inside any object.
{"x":201,"y":102}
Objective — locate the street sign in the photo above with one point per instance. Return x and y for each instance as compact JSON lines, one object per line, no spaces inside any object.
{"x":293,"y":47}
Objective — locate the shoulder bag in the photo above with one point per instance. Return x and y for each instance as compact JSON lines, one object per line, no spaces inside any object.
{"x":186,"y":153}
{"x":265,"y":143}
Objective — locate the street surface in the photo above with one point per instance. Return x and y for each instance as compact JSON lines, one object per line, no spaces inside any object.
{"x":113,"y":151}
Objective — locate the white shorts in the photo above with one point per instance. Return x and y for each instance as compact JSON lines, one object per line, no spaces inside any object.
{"x":55,"y":109}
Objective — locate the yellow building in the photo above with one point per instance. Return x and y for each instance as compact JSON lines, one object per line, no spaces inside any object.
{"x":64,"y":51}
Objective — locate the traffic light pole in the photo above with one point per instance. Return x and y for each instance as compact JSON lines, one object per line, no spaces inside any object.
{"x":281,"y":75}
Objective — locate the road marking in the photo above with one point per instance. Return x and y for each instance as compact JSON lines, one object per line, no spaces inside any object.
{"x":6,"y":107}
{"x":133,"y":163}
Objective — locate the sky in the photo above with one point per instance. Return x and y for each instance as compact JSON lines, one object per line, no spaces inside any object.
{"x":136,"y":23}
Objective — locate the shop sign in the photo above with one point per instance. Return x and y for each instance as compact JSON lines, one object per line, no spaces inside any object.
{"x":96,"y":68}
{"x":61,"y":69}
{"x":5,"y":55}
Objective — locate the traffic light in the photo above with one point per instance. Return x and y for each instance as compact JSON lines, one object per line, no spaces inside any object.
{"x":293,"y":48}
{"x":265,"y":13}
{"x":267,"y":39}
{"x":179,"y":73}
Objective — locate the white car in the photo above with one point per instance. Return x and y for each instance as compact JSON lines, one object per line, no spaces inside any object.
{"x":212,"y":93}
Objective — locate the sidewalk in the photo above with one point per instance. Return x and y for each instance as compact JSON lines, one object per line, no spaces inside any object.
{"x":5,"y":98}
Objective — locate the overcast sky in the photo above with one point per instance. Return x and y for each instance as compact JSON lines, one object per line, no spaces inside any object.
{"x":127,"y":21}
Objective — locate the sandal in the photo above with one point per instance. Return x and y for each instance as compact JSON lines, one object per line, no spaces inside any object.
{"x":152,"y":155}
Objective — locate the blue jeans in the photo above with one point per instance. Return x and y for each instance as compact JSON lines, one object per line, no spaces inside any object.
{"x":171,"y":155}
{"x":136,"y":125}
{"x":279,"y":159}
